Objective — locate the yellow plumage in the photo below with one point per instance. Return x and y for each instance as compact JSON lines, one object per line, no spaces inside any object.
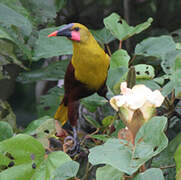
{"x":62,"y":114}
{"x":89,"y":60}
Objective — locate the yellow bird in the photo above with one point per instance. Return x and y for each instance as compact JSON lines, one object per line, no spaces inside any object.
{"x":86,"y":73}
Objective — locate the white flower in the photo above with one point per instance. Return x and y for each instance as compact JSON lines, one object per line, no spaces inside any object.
{"x":137,"y":105}
{"x":136,"y":97}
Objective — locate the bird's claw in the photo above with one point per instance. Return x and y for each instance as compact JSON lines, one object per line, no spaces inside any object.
{"x":71,"y":145}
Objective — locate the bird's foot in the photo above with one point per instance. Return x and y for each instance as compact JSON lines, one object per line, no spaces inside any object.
{"x":71,"y":144}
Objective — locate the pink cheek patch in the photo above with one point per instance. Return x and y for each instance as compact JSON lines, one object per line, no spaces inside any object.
{"x":75,"y":36}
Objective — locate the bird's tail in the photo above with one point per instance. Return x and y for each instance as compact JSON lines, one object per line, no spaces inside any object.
{"x":62,"y":114}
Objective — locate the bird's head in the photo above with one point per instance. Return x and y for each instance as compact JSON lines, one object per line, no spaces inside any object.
{"x":74,"y":31}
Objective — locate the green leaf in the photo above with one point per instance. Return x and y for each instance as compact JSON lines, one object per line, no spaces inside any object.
{"x":42,"y":11}
{"x":7,"y":50}
{"x":149,"y":83}
{"x":150,"y":174}
{"x":115,"y":75}
{"x":42,"y":129}
{"x":50,"y":102}
{"x":34,"y":125}
{"x":92,"y":121}
{"x":177,"y":63}
{"x":16,"y":6}
{"x":107,"y":121}
{"x":168,"y":63}
{"x":49,"y":165}
{"x":119,"y":58}
{"x":10,"y":17}
{"x":103,"y":36}
{"x":167,"y":89}
{"x":174,"y":83}
{"x":160,"y":80}
{"x":166,"y":157}
{"x":144,"y":71}
{"x":28,"y":157}
{"x":177,"y":157}
{"x":51,"y":46}
{"x":54,"y":71}
{"x":108,"y":173}
{"x":6,"y":114}
{"x":66,"y":171}
{"x":127,"y":158}
{"x":121,"y":30}
{"x":155,"y":46}
{"x":19,"y":150}
{"x":93,"y":102}
{"x":101,"y":137}
{"x":6,"y":130}
{"x":5,"y":35}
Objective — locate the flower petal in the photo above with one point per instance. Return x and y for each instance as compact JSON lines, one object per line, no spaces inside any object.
{"x":117,"y":101}
{"x":156,"y":99}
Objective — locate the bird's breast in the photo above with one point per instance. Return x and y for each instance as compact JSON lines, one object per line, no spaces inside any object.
{"x":92,"y":69}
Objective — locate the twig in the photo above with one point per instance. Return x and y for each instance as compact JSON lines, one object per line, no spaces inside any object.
{"x":120,"y":44}
{"x":132,"y":59}
{"x":173,"y":96}
{"x":95,"y":132}
{"x":169,"y":166}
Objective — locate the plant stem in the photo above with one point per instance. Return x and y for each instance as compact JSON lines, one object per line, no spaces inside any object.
{"x":85,"y":177}
{"x":131,"y":60}
{"x":169,"y":166}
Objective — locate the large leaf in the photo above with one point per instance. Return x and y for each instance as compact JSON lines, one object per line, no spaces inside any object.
{"x":6,"y":114}
{"x":164,"y":49}
{"x":42,"y":129}
{"x":18,"y":152}
{"x":51,"y":46}
{"x":108,"y":173}
{"x":127,"y":158}
{"x":16,"y":6}
{"x":42,"y":11}
{"x":155,"y":46}
{"x":177,"y":157}
{"x":52,"y":72}
{"x":10,"y":17}
{"x":118,"y":68}
{"x":47,"y":168}
{"x":121,"y":30}
{"x":119,"y":58}
{"x":150,"y":174}
{"x":166,"y":157}
{"x":7,"y":50}
{"x":103,"y":36}
{"x":174,"y":83}
{"x":23,"y":157}
{"x":5,"y":35}
{"x":31,"y":129}
{"x":66,"y":171}
{"x":6,"y":130}
{"x":168,"y":63}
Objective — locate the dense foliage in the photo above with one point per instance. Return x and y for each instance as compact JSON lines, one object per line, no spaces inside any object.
{"x":147,"y":53}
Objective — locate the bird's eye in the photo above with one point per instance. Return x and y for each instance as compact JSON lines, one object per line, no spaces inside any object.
{"x":76,"y":29}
